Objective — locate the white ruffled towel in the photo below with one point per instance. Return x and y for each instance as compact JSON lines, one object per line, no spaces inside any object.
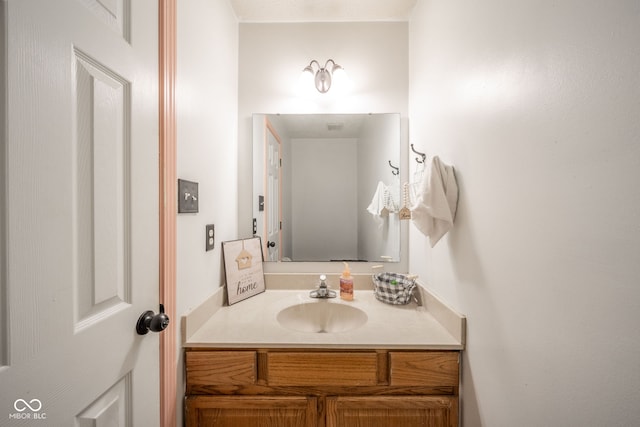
{"x":435,"y":207}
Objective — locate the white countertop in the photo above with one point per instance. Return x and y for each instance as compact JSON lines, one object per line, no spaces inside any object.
{"x":252,"y":323}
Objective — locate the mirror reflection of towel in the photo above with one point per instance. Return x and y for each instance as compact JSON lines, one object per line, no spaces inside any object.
{"x":382,"y":202}
{"x":377,"y":205}
{"x":437,"y":201}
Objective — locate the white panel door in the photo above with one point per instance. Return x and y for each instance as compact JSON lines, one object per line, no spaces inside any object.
{"x":273,"y":191}
{"x":81,"y":205}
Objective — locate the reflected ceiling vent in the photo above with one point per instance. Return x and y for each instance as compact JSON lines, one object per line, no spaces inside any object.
{"x":335,"y":126}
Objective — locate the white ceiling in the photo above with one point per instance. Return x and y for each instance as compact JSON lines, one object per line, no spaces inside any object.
{"x":322,"y":10}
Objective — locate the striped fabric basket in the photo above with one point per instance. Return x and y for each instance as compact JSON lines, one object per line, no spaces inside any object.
{"x":393,"y":288}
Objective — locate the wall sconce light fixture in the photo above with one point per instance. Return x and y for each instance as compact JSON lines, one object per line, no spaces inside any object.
{"x":323,"y":76}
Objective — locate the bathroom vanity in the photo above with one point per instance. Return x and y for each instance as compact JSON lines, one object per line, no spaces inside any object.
{"x":305,"y":388}
{"x":250,"y":365}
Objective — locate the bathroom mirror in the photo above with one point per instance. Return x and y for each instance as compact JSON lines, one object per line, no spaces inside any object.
{"x":326,"y":187}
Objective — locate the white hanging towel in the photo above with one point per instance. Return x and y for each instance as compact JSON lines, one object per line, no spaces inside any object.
{"x":437,"y":201}
{"x":378,"y":205}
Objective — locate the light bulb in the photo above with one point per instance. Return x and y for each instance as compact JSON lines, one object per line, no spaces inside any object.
{"x":341,"y":80}
{"x":306,"y":85}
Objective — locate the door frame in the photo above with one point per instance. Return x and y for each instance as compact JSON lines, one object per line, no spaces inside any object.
{"x":167,"y":206}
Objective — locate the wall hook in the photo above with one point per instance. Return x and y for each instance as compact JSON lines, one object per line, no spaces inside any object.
{"x":396,"y":170}
{"x":422,"y":157}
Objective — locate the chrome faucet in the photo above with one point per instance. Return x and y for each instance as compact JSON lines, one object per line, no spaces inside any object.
{"x":323,"y":290}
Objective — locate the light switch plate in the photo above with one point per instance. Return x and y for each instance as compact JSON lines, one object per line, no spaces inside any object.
{"x":187,"y":196}
{"x":210,"y":237}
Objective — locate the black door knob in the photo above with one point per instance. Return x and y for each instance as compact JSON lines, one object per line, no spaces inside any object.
{"x":271,"y":244}
{"x":149,"y":321}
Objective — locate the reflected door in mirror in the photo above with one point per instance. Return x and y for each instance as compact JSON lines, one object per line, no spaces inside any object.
{"x":273,"y":200}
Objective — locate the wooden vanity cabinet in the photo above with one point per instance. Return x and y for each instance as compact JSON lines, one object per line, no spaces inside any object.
{"x":321,"y":388}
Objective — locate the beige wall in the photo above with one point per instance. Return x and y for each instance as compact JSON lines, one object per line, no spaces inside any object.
{"x":537,"y":105}
{"x":272,"y":56}
{"x":206,"y":101}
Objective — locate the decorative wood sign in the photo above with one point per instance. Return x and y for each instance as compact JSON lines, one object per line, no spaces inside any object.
{"x":405,"y":212}
{"x":243,"y":268}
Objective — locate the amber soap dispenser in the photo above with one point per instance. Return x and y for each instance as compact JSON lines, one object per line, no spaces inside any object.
{"x":346,"y":284}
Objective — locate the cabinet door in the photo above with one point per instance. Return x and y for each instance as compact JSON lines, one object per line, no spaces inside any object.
{"x":424,"y":368}
{"x":310,"y":368}
{"x":392,"y":411}
{"x":208,"y":369}
{"x":251,"y":411}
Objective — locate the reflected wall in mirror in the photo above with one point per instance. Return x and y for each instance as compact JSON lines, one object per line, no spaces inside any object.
{"x":324,"y":188}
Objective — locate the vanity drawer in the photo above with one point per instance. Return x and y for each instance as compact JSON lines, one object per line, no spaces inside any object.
{"x":322,"y":369}
{"x":428,"y":369}
{"x":210,"y":368}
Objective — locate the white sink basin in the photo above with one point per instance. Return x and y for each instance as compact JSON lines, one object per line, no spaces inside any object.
{"x":321,"y":316}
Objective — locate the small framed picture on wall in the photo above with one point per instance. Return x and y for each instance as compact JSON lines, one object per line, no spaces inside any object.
{"x":243,"y":268}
